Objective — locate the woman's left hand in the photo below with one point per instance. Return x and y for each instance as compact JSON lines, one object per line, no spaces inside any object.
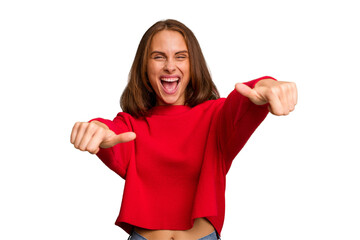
{"x":281,"y":96}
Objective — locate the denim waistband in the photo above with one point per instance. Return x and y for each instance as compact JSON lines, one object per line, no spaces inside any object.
{"x":212,"y":236}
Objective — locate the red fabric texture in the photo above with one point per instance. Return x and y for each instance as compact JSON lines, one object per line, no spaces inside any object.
{"x":175,"y":170}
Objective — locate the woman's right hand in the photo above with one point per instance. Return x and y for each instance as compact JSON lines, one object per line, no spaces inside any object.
{"x":95,"y":135}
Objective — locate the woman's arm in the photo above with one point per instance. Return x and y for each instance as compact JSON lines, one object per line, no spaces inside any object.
{"x":102,"y":137}
{"x":246,"y":107}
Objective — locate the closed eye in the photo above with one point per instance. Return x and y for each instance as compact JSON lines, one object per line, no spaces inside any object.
{"x":182,"y":57}
{"x":158,"y":57}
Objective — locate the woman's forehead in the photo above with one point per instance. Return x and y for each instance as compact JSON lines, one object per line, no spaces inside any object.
{"x":168,"y":41}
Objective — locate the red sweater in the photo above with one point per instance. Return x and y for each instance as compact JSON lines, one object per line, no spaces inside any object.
{"x":175,"y":170}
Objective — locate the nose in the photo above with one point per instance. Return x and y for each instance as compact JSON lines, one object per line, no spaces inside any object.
{"x":169,"y":65}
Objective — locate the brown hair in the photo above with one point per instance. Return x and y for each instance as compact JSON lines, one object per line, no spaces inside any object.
{"x":138,"y":96}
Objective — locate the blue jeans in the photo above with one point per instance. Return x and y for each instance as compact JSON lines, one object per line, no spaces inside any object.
{"x":211,"y":236}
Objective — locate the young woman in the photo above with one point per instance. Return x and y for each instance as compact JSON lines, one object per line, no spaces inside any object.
{"x":175,"y":140}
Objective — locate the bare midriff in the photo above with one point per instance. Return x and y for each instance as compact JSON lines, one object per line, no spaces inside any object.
{"x":201,"y":228}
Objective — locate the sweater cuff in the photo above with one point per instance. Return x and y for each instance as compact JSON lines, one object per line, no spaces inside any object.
{"x":110,"y":156}
{"x":252,"y":84}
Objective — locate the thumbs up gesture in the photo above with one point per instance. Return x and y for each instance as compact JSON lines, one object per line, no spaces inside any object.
{"x":281,"y":96}
{"x":95,"y":135}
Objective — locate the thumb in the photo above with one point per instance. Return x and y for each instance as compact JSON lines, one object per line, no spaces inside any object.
{"x":124,"y":137}
{"x":244,"y":90}
{"x":116,"y":139}
{"x":253,"y":95}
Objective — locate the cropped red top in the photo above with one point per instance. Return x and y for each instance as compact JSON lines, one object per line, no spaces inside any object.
{"x":175,"y":169}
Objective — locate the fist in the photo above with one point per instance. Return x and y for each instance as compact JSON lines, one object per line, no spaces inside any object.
{"x":92,"y":136}
{"x":281,"y":96}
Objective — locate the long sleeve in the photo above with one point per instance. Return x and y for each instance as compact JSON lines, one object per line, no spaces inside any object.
{"x":117,"y":157}
{"x":238,"y":119}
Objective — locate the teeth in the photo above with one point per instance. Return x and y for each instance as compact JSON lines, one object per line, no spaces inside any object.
{"x":169,"y":79}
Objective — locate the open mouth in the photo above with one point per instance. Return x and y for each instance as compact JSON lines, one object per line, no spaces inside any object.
{"x":170,"y":85}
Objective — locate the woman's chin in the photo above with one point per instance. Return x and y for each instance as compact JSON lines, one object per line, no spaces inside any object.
{"x":170,"y":100}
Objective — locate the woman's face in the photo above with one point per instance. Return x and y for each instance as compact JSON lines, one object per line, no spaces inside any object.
{"x":168,"y":67}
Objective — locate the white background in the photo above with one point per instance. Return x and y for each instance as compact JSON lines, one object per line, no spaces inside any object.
{"x":67,"y":61}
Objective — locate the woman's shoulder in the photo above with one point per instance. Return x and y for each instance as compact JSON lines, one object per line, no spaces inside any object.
{"x":123,"y":115}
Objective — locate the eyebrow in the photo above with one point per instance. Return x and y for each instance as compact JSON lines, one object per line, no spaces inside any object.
{"x":159,"y":52}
